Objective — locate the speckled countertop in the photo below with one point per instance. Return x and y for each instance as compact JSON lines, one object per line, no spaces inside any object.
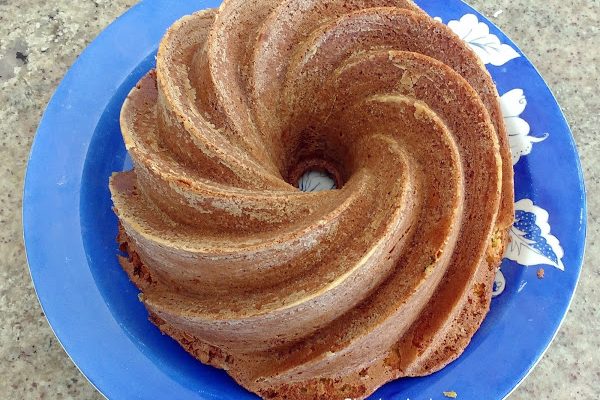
{"x":39,"y":40}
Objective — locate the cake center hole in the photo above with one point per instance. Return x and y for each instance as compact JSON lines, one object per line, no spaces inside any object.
{"x":316,"y":180}
{"x":316,"y":175}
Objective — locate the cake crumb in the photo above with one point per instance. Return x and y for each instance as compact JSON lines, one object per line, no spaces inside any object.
{"x":497,"y":13}
{"x":540,"y":273}
{"x":451,"y":395}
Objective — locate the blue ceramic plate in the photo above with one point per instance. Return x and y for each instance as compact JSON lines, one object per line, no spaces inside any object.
{"x":70,"y":229}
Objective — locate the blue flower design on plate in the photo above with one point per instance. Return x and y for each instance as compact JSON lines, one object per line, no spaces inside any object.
{"x":530,"y":240}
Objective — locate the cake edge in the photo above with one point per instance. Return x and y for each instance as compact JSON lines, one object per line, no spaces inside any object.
{"x":356,"y":386}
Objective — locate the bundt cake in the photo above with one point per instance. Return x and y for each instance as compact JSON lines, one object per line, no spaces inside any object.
{"x":322,"y":295}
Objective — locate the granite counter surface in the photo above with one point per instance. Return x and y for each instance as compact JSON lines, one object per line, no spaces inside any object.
{"x":39,"y":40}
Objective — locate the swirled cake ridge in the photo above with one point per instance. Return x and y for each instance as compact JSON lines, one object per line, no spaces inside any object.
{"x":323,"y":295}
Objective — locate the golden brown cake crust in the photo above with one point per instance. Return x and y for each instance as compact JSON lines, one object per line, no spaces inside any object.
{"x":356,"y":386}
{"x":323,"y":295}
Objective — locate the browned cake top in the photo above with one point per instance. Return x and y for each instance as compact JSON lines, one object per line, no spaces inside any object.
{"x":323,"y":295}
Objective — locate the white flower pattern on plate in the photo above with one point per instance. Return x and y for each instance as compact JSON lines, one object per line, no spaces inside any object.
{"x":513,"y":104}
{"x":531,"y":242}
{"x":485,"y":44}
{"x":316,"y":181}
{"x":499,"y":284}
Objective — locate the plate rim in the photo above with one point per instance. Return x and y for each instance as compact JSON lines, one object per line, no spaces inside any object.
{"x":112,"y":29}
